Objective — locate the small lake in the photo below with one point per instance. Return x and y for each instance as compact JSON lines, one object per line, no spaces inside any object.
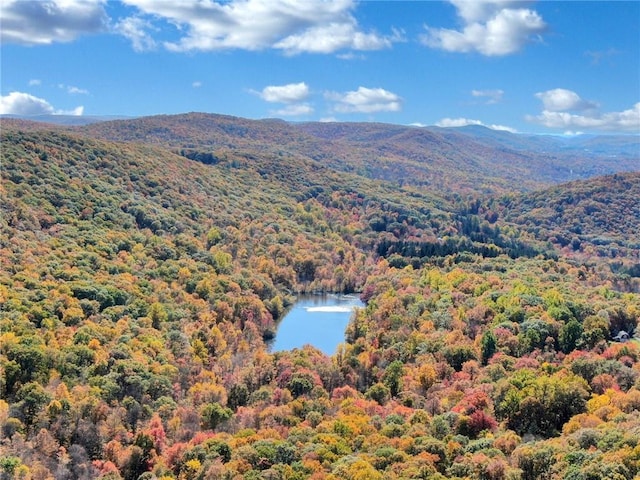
{"x":318,"y":320}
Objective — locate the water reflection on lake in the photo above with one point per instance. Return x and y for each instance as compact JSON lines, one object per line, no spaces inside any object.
{"x":318,"y":320}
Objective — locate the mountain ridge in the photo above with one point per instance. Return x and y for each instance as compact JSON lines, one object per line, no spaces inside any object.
{"x":411,"y":155}
{"x":415,"y":152}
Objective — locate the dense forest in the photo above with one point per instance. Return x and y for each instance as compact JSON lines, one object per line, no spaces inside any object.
{"x":145,"y":265}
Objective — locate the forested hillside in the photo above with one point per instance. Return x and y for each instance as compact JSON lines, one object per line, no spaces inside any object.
{"x":599,"y":217}
{"x":426,"y":158}
{"x":145,"y":264}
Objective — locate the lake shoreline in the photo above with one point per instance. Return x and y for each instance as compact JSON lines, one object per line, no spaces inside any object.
{"x":319,"y":320}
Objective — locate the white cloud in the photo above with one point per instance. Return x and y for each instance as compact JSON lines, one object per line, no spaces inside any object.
{"x":73,"y":90}
{"x":135,"y":29}
{"x":457,"y":122}
{"x":492,"y":96}
{"x":77,"y":112}
{"x":290,"y":93}
{"x":24,"y":104}
{"x":292,"y":26}
{"x":491,"y":28}
{"x":564,"y":109}
{"x":625,"y":121}
{"x":43,"y":22}
{"x":482,"y":10}
{"x":196,"y":84}
{"x":560,"y":99}
{"x":34,"y":82}
{"x":294,"y":110}
{"x":333,"y":37}
{"x":503,"y":128}
{"x":463,"y":122}
{"x":18,"y":103}
{"x":365,"y":100}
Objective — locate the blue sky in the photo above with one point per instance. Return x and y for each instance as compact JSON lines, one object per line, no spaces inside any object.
{"x":547,"y":67}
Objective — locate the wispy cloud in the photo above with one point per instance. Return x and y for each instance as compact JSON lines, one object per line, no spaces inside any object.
{"x":73,"y":90}
{"x":136,"y":30}
{"x":294,"y":110}
{"x":35,"y":82}
{"x":490,"y":27}
{"x":490,"y":96}
{"x":597,"y":56}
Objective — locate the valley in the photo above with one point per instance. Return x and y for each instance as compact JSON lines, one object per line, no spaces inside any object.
{"x":145,"y":264}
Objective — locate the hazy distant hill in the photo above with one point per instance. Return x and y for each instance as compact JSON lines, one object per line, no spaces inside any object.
{"x":67,"y":120}
{"x":521,"y":161}
{"x":610,"y":146}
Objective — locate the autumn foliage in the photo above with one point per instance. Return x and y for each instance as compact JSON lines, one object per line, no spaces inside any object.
{"x":140,"y":285}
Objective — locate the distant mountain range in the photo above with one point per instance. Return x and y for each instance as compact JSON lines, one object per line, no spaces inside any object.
{"x":606,"y":144}
{"x":67,"y":119}
{"x":463,"y":160}
{"x":583,"y":144}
